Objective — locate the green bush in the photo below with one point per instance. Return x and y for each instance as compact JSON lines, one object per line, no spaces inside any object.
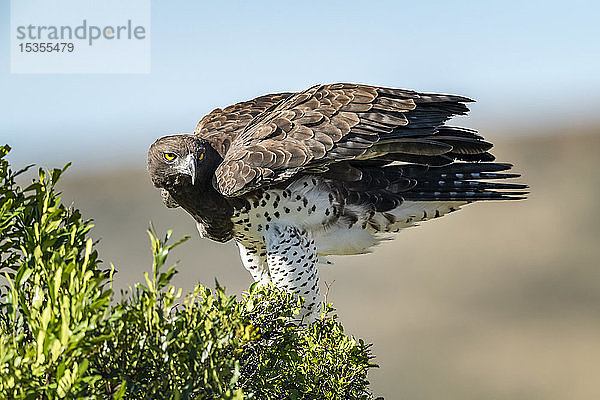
{"x":62,"y":335}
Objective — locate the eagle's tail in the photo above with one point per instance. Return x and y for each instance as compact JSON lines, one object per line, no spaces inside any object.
{"x":461,"y":182}
{"x":404,"y":195}
{"x":386,"y":187}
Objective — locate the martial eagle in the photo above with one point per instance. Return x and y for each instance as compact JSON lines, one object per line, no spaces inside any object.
{"x":334,"y":169}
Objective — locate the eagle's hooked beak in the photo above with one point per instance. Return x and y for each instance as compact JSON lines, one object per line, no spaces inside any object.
{"x":191,"y":167}
{"x":188,"y":167}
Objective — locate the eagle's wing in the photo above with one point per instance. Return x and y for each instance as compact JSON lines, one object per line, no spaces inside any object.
{"x":329,"y":124}
{"x":222,"y":126}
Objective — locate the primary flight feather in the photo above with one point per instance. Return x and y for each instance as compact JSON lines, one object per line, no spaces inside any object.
{"x":334,"y":169}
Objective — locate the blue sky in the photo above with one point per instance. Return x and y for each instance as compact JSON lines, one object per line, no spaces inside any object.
{"x":526,"y":63}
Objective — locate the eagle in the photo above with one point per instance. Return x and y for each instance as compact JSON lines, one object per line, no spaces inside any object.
{"x":332,"y":170}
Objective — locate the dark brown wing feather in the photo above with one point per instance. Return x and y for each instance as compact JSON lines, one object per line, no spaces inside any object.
{"x":221,"y":127}
{"x":339,"y":122}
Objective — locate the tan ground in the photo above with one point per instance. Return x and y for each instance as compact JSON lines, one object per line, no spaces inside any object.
{"x":498,"y":301}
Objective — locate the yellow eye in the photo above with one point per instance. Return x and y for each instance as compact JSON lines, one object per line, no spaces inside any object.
{"x":170,"y":156}
{"x":201,"y":157}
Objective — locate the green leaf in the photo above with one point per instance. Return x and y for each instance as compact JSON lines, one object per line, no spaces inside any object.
{"x":121,"y":392}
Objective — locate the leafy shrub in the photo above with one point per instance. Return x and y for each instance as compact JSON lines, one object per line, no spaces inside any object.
{"x":60,"y":336}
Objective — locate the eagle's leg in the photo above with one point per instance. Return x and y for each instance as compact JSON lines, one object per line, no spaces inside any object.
{"x":292,"y":259}
{"x":254,"y":259}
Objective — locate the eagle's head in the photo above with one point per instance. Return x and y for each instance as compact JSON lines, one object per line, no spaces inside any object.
{"x":180,"y":160}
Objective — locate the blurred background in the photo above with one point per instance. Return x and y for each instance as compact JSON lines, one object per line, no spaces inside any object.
{"x":498,"y":301}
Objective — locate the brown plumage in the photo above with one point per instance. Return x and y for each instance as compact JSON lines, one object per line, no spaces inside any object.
{"x":327,"y":124}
